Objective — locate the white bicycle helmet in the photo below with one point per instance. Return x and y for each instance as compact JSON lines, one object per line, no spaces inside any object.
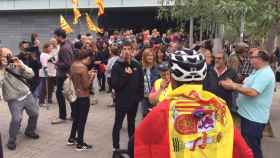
{"x":187,"y":65}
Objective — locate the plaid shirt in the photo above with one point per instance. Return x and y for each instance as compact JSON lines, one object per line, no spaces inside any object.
{"x":245,"y":67}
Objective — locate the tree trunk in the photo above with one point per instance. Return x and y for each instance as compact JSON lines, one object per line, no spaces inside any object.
{"x":201,"y":30}
{"x":271,"y":37}
{"x":191,"y":32}
{"x":222,"y":31}
{"x":242,"y":27}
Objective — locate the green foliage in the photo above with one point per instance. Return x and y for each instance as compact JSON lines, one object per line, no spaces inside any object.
{"x":260,"y":14}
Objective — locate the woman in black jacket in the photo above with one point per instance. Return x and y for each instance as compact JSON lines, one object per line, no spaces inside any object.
{"x":102,"y":57}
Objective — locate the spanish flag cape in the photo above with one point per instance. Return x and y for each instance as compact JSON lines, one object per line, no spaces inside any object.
{"x":190,"y":123}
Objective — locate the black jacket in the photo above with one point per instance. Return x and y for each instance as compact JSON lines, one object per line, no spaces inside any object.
{"x":129,"y":88}
{"x":65,"y":58}
{"x":211,"y":83}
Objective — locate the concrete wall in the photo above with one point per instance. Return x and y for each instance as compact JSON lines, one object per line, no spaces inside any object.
{"x":58,"y":4}
{"x":18,"y":26}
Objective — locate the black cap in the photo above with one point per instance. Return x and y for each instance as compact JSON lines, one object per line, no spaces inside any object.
{"x":163,"y":66}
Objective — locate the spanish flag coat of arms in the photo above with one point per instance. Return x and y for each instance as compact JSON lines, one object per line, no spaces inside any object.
{"x":189,"y":123}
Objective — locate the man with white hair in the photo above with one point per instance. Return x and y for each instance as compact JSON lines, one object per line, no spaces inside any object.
{"x":18,"y":95}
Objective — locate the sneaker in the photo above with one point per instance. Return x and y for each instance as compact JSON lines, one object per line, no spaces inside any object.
{"x":72,"y":141}
{"x":32,"y":135}
{"x":111,"y":105}
{"x":69,"y":118}
{"x":117,"y":154}
{"x":43,"y":105}
{"x":11,"y":146}
{"x":83,"y":147}
{"x":58,"y":121}
{"x":94,"y":101}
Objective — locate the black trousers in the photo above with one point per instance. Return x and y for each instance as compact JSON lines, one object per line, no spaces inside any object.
{"x":80,"y":113}
{"x":109,"y":84}
{"x":130,"y":147}
{"x":119,"y":117}
{"x":1,"y":149}
{"x":50,"y":82}
{"x":60,"y":97}
{"x":101,"y":80}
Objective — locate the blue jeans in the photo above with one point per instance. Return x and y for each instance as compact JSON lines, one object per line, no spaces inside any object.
{"x":252,"y":133}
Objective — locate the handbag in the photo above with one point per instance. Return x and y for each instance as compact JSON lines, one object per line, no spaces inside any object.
{"x":69,"y":90}
{"x":102,"y":68}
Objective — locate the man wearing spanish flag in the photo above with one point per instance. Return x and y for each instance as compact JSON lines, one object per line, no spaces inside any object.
{"x":190,"y":122}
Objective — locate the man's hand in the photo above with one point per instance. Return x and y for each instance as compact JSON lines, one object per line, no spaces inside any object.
{"x":228,"y":84}
{"x":92,"y":74}
{"x":37,"y":43}
{"x":33,"y":56}
{"x":18,"y":63}
{"x":164,"y":84}
{"x":97,"y":62}
{"x":128,"y":70}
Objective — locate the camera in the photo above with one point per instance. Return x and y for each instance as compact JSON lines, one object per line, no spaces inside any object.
{"x":10,"y":59}
{"x":51,"y":60}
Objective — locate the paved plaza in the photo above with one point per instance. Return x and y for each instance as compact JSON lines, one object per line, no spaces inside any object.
{"x":52,"y":143}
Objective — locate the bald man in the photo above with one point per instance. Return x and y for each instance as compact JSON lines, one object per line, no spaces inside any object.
{"x":18,"y":96}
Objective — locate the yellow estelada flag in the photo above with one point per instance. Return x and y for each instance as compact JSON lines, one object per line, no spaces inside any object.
{"x":91,"y":25}
{"x":75,"y":3}
{"x":100,"y":6}
{"x":76,"y":11}
{"x":64,"y":25}
{"x":76,"y":15}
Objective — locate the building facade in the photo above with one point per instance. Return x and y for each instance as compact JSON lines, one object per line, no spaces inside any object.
{"x":20,"y":18}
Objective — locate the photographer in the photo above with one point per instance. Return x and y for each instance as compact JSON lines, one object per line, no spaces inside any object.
{"x":23,"y":54}
{"x":30,"y":55}
{"x":16,"y":92}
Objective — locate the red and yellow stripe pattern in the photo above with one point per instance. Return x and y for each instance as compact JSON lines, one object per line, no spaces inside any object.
{"x":191,"y":136}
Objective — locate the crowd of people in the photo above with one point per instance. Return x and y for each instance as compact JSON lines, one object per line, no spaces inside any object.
{"x":150,"y":68}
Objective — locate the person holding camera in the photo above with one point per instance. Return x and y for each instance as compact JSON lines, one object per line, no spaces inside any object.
{"x":47,"y":73}
{"x":63,"y":64}
{"x":23,"y":54}
{"x":29,"y":55}
{"x":18,"y":95}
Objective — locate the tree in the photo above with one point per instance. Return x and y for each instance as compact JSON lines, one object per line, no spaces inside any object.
{"x":261,"y":18}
